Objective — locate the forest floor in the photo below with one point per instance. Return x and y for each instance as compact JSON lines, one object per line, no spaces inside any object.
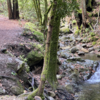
{"x":10,"y":30}
{"x":9,"y":33}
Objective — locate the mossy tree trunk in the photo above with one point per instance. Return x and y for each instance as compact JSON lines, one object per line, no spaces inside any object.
{"x":38,"y":10}
{"x":50,"y":57}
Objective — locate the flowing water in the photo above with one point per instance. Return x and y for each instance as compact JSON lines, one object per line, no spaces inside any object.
{"x":90,"y":90}
{"x":95,"y":78}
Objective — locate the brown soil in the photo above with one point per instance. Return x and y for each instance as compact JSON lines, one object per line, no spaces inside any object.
{"x":10,"y":30}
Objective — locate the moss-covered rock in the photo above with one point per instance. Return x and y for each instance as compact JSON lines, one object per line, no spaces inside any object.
{"x":34,"y":57}
{"x":17,"y":90}
{"x":65,"y":30}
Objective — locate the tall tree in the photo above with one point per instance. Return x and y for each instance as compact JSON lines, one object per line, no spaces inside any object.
{"x":13,"y":9}
{"x":50,"y":58}
{"x":84,"y":12}
{"x":9,"y":9}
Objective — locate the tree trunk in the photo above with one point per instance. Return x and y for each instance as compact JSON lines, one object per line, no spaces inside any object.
{"x":50,"y":57}
{"x":15,"y":9}
{"x":84,"y":13}
{"x":10,"y":14}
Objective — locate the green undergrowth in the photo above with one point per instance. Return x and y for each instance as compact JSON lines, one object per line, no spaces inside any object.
{"x":35,"y":29}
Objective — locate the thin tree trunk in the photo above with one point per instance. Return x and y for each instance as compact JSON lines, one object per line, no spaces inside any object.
{"x":50,"y":57}
{"x":10,"y":14}
{"x":15,"y":9}
{"x":84,"y":13}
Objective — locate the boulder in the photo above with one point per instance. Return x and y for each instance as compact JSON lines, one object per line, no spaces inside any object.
{"x":80,"y":53}
{"x":73,"y":50}
{"x":34,"y":57}
{"x":74,"y":59}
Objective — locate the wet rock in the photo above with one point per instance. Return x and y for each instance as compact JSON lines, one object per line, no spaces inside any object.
{"x":73,"y":50}
{"x":98,"y":55}
{"x":51,"y":93}
{"x":74,"y":59}
{"x":17,"y":90}
{"x":59,"y":77}
{"x":8,"y":75}
{"x":61,"y":45}
{"x":34,"y":57}
{"x":50,"y":98}
{"x":2,"y":91}
{"x":79,"y":39}
{"x":3,"y":50}
{"x":85,"y":40}
{"x":92,"y":52}
{"x":69,"y":88}
{"x":84,"y":50}
{"x":91,"y":49}
{"x":80,"y":53}
{"x":37,"y":98}
{"x":84,"y":45}
{"x":89,"y":46}
{"x":65,"y":48}
{"x":65,"y":55}
{"x":65,"y":30}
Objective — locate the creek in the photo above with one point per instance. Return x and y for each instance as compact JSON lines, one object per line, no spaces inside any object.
{"x":90,"y":89}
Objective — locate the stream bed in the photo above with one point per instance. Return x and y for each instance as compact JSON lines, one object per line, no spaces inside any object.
{"x":90,"y":89}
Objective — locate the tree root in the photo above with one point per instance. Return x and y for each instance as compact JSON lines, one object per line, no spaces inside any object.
{"x":31,"y":96}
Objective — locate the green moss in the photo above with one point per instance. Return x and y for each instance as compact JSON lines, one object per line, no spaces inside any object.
{"x":34,"y":57}
{"x":92,"y":33}
{"x":79,"y":11}
{"x":74,"y":21}
{"x":93,"y":43}
{"x":64,"y":30}
{"x":31,"y":96}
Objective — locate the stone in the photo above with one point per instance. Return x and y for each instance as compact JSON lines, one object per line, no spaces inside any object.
{"x":59,"y":77}
{"x":91,"y":49}
{"x":3,"y":50}
{"x":34,"y":57}
{"x":65,"y":30}
{"x":80,"y":53}
{"x":84,"y":50}
{"x":89,"y":46}
{"x":98,"y":55}
{"x":74,"y":59}
{"x":84,"y":45}
{"x":79,"y":39}
{"x":2,"y":91}
{"x":17,"y":90}
{"x":37,"y":98}
{"x":51,"y":98}
{"x":69,"y":87}
{"x":73,"y":50}
{"x":51,"y":93}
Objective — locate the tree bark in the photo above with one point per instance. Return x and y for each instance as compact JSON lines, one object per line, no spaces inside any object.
{"x":10,"y":14}
{"x":13,"y":12}
{"x":15,"y":9}
{"x":50,"y":57}
{"x":84,"y":13}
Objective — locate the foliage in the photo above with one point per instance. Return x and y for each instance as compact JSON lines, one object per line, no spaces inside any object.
{"x":93,"y":43}
{"x":35,"y":30}
{"x":92,"y":34}
{"x":65,"y":7}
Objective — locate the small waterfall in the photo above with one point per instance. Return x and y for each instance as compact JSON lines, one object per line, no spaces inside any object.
{"x":95,"y":78}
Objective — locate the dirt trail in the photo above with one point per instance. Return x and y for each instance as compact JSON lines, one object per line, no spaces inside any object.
{"x":9,"y":30}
